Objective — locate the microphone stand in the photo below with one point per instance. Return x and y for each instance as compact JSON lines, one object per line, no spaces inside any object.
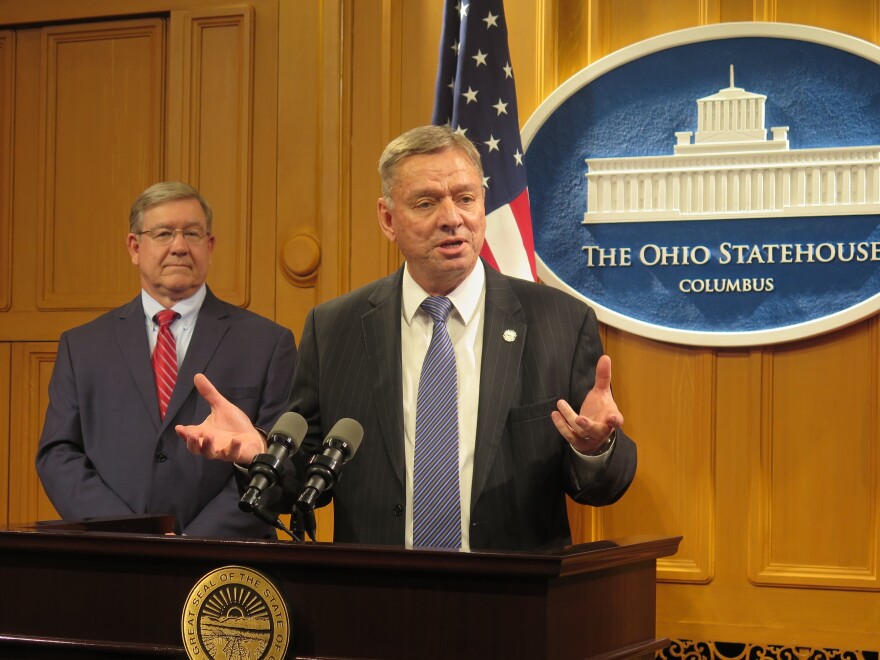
{"x":272,"y":469}
{"x":271,"y":519}
{"x":303,"y":522}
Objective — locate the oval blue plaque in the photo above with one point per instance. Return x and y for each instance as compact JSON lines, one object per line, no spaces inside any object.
{"x":715,"y":186}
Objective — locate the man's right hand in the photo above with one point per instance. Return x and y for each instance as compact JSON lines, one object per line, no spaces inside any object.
{"x":226,"y":434}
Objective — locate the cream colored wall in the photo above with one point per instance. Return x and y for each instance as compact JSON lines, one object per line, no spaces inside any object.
{"x":764,"y":459}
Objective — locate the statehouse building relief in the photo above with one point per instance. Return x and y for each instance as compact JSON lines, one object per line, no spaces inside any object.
{"x":732,"y":170}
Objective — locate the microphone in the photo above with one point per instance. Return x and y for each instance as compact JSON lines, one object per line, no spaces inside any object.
{"x":267,"y":469}
{"x":323,"y":470}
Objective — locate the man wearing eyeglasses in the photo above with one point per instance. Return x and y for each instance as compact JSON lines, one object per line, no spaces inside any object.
{"x":124,"y":381}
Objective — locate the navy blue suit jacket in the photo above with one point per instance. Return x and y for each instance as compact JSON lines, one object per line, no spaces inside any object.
{"x":105,"y":452}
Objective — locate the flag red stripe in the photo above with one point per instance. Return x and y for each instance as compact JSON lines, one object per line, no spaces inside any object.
{"x":522,"y":212}
{"x":486,"y":253}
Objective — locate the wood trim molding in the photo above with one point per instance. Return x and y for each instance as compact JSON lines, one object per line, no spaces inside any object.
{"x":392,"y":97}
{"x":7,"y":111}
{"x":5,"y":429}
{"x":335,"y":160}
{"x":710,"y":12}
{"x":875,"y":21}
{"x":764,"y":10}
{"x":598,"y":29}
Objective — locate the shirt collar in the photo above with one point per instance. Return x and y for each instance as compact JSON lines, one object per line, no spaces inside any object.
{"x":465,"y":297}
{"x":187,"y":308}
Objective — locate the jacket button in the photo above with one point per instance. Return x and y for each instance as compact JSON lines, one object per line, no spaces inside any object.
{"x":398,"y":510}
{"x":161,"y":458}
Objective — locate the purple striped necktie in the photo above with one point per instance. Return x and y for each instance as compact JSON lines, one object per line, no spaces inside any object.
{"x":165,"y":359}
{"x":436,"y":495}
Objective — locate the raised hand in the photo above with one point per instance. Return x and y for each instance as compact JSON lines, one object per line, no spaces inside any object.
{"x":598,"y":417}
{"x":226,"y":434}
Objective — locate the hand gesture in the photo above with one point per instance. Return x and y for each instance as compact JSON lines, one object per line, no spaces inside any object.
{"x":226,"y":434}
{"x":598,"y":417}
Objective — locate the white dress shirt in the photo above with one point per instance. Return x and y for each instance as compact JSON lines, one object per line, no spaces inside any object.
{"x":182,"y":328}
{"x":465,"y":326}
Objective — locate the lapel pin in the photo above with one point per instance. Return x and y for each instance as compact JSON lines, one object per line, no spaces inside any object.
{"x":509,"y":335}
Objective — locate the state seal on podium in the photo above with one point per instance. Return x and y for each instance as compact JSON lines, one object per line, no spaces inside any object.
{"x":235,"y":612}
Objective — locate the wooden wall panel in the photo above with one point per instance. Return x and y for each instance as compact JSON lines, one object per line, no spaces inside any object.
{"x":100,"y":121}
{"x":309,"y":176}
{"x":666,"y":394}
{"x":818,"y":465}
{"x":730,"y":608}
{"x":31,"y":369}
{"x":419,"y":66}
{"x":7,"y":109}
{"x":860,"y":18}
{"x":738,"y":10}
{"x":312,"y":157}
{"x":212,"y":53}
{"x":614,"y":25}
{"x":371,"y":255}
{"x":529,"y":35}
{"x":566,"y":41}
{"x":23,"y":321}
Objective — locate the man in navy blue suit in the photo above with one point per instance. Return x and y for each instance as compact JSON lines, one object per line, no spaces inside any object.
{"x":106,"y":448}
{"x":522,"y":352}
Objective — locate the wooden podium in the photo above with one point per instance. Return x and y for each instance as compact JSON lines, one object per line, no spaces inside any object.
{"x":116,"y":588}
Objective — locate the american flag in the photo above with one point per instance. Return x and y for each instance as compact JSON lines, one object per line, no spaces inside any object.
{"x":476,"y":96}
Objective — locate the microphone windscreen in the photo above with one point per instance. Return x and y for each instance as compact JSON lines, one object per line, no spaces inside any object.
{"x":291,"y":425}
{"x":348,"y":430}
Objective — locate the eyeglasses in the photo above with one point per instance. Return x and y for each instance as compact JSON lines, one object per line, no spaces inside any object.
{"x":166,"y":235}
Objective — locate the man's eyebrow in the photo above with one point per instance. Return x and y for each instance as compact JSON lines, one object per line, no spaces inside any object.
{"x":423,"y":192}
{"x":465,"y":188}
{"x":433,"y":193}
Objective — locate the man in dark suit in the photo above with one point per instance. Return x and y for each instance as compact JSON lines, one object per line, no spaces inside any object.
{"x":108,"y":446}
{"x":522,"y":351}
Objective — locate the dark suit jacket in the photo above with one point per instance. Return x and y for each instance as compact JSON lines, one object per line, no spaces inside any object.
{"x":104,"y":450}
{"x":350,"y":366}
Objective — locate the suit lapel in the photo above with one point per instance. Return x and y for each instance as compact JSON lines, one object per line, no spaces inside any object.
{"x":131,"y":333}
{"x":381,"y":328}
{"x":504,"y":336}
{"x":212,"y":324}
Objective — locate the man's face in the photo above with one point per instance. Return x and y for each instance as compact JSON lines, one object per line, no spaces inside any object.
{"x":174,"y":271}
{"x":437,"y":218}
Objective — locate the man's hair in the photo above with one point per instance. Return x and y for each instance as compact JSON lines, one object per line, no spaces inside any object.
{"x":421,"y":140}
{"x":162,"y":193}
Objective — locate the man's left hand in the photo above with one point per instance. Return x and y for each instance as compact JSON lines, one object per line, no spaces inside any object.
{"x":598,"y":418}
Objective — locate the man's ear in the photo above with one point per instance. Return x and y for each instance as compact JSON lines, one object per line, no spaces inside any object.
{"x":212,"y":242}
{"x":133,"y":248}
{"x":386,"y":221}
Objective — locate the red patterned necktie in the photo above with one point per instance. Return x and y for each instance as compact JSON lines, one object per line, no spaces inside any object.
{"x":165,"y":359}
